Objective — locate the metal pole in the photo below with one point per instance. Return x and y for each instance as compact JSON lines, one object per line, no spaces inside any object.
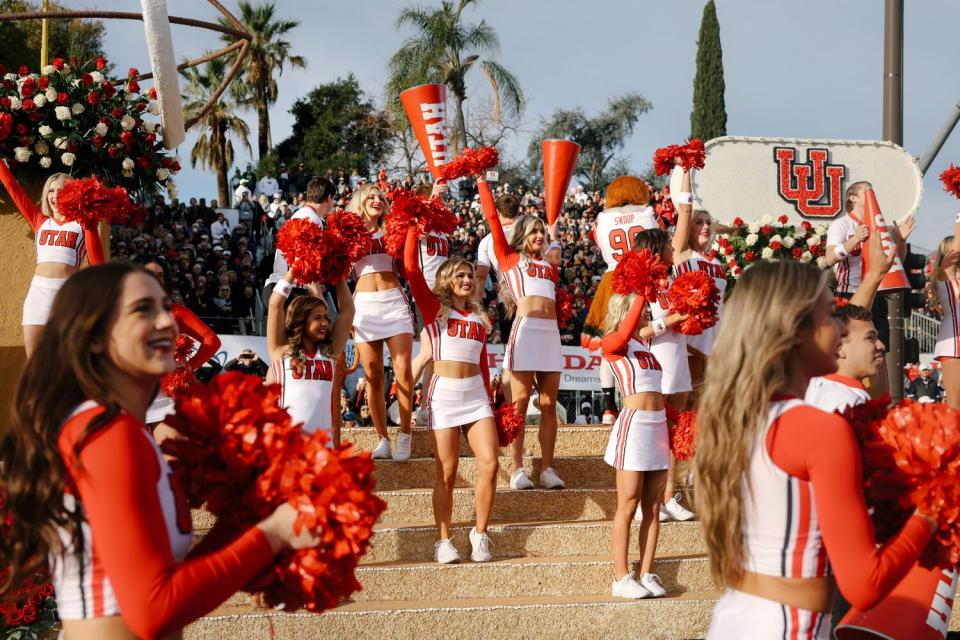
{"x":893,"y":131}
{"x":931,"y":153}
{"x":44,"y":36}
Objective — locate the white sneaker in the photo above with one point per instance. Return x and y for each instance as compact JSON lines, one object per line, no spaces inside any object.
{"x":382,"y":452}
{"x":481,"y":546}
{"x":628,"y":587}
{"x":519,"y":480}
{"x":675,"y":511}
{"x":445,"y":553}
{"x":651,"y":582}
{"x":402,"y":451}
{"x":550,"y":480}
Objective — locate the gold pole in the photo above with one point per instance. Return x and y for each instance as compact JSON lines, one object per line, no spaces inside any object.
{"x":44,"y":36}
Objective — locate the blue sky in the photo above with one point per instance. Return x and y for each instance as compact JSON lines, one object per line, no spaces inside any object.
{"x":809,"y":69}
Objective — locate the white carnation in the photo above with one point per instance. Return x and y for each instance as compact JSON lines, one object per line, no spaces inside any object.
{"x":813,"y":241}
{"x":127,"y":163}
{"x":41,"y":147}
{"x":753,"y":227}
{"x":149,"y":126}
{"x":45,"y":162}
{"x":10,"y":76}
{"x":14,"y":103}
{"x":40,"y":100}
{"x":171,"y":188}
{"x":776,"y":238}
{"x":806,"y":257}
{"x":128,"y":123}
{"x":22,"y":154}
{"x":97,"y":77}
{"x":822,"y":262}
{"x":101,"y":128}
{"x":77,"y":108}
{"x":820,"y":229}
{"x":62,"y":113}
{"x":60,"y":143}
{"x":789,"y":241}
{"x":162,"y":174}
{"x":767,"y":253}
{"x":45,"y":130}
{"x":130,"y":97}
{"x":47,"y":70}
{"x":51,"y":94}
{"x":768,"y":219}
{"x":68,"y":159}
{"x":153,"y":108}
{"x":752,"y":239}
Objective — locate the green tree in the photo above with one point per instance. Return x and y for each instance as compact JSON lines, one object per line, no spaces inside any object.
{"x":600,"y":138}
{"x":269,"y":53}
{"x":214,"y":147}
{"x":444,"y":50}
{"x":709,"y":116}
{"x":336,"y":126}
{"x":20,"y":40}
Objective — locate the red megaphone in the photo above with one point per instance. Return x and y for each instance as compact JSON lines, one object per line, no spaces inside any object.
{"x":896,"y":278}
{"x":559,"y":161}
{"x":917,"y":609}
{"x":426,"y":107}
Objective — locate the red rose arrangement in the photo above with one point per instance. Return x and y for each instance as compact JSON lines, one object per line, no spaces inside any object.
{"x":410,"y":210}
{"x":951,"y":180}
{"x":242,"y":456}
{"x":315,"y":254}
{"x":692,"y":156}
{"x":695,"y":294}
{"x":349,"y":226}
{"x":89,"y":202}
{"x":471,"y":162}
{"x":911,"y":460}
{"x":640,"y":272}
{"x":510,"y":423}
{"x":564,"y":307}
{"x":683,"y":432}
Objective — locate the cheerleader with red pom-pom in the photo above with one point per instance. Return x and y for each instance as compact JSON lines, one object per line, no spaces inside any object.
{"x":99,"y":500}
{"x":458,"y":396}
{"x":61,"y":247}
{"x":783,"y":513}
{"x":382,"y":316}
{"x":943,"y":298}
{"x":304,"y":347}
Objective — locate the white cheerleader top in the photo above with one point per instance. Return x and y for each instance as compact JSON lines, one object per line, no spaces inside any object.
{"x":460,"y":339}
{"x":306,"y":391}
{"x":532,"y":277}
{"x":60,"y":243}
{"x":376,"y":261}
{"x":638,"y":370}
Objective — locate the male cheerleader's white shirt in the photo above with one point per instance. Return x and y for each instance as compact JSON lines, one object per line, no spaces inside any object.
{"x":834,"y":392}
{"x":434,"y":250}
{"x":849,"y":271}
{"x":280,"y":266}
{"x":306,"y":391}
{"x":376,"y":261}
{"x":486,"y":257}
{"x":617,"y":228}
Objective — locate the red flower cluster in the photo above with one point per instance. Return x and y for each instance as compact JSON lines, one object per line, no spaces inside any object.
{"x":951,"y":180}
{"x":28,"y":602}
{"x":692,"y":156}
{"x":409,"y":210}
{"x":89,"y":201}
{"x":315,"y":254}
{"x":911,"y":460}
{"x":242,"y":456}
{"x":696,"y":294}
{"x":564,"y":307}
{"x":349,"y":226}
{"x":640,"y":272}
{"x":6,"y":125}
{"x":510,"y":423}
{"x":471,"y":162}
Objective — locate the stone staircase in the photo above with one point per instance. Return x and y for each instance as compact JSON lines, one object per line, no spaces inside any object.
{"x":550,"y":577}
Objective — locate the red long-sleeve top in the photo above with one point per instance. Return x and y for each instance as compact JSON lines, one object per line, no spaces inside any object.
{"x":190,"y":324}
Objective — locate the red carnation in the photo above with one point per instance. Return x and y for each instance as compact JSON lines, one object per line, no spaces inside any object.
{"x":749,"y":256}
{"x":101,"y":63}
{"x":152,"y":93}
{"x":510,"y":423}
{"x":806,"y":225}
{"x":88,"y":201}
{"x":24,"y":70}
{"x":738,"y":221}
{"x":21,"y":129}
{"x":150,"y":138}
{"x":350,"y":227}
{"x":143,"y":162}
{"x":63,"y":97}
{"x":951,"y":180}
{"x":73,"y":147}
{"x":783,"y":219}
{"x":58,"y":63}
{"x":766,"y":229}
{"x":692,"y":156}
{"x":728,"y":249}
{"x":126,"y":137}
{"x":93,"y":97}
{"x":140,"y":106}
{"x":797,"y":252}
{"x":86,"y":79}
{"x":108,"y":89}
{"x":471,"y":162}
{"x":28,"y":104}
{"x":98,"y":140}
{"x":6,"y":124}
{"x":44,"y":82}
{"x":27,"y":90}
{"x":176,"y":166}
{"x":132,"y":72}
{"x":74,"y":61}
{"x":640,"y":272}
{"x":133,"y":87}
{"x":114,"y":151}
{"x":775,"y":245}
{"x":117,"y":112}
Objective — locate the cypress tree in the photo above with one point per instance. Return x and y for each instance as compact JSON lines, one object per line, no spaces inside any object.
{"x":709,"y":116}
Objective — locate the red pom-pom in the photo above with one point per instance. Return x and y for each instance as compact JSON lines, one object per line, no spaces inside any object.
{"x":315,"y":254}
{"x":408,"y":210}
{"x":951,"y":180}
{"x":692,"y":156}
{"x":694,"y":293}
{"x":471,"y":162}
{"x":350,"y":227}
{"x":683,"y":435}
{"x":640,"y":272}
{"x":178,"y":381}
{"x":564,"y":307}
{"x":88,"y":201}
{"x":510,"y":423}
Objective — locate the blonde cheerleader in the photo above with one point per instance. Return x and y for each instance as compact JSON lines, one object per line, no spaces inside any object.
{"x":943,"y":296}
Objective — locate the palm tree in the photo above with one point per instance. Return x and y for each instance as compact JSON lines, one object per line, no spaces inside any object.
{"x":444,"y":50}
{"x":268,"y":54}
{"x":214,"y":148}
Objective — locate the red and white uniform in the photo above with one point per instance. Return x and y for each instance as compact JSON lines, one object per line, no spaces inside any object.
{"x":67,"y":243}
{"x":534,"y":343}
{"x":834,"y":392}
{"x":805,"y":517}
{"x":459,"y":337}
{"x":136,"y":535}
{"x":379,"y":314}
{"x":948,"y":337}
{"x":703,"y":342}
{"x":671,"y":350}
{"x":486,"y":257}
{"x":616,"y":230}
{"x":434,"y":250}
{"x":639,"y":440}
{"x":849,"y":271}
{"x":280,"y":266}
{"x":306,"y":389}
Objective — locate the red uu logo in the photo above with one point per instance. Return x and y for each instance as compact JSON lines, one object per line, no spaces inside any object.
{"x":809,"y":194}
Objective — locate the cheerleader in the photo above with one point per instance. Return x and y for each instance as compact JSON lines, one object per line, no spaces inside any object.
{"x":458,"y":396}
{"x":87,"y":487}
{"x":639,"y":446}
{"x":532,"y":354}
{"x":382,"y":316}
{"x":783,"y":515}
{"x":304,"y":349}
{"x":943,"y":296}
{"x":61,"y":248}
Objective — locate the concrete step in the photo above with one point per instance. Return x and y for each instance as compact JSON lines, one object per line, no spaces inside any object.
{"x":519,"y":539}
{"x":572,"y":618}
{"x":572,"y":440}
{"x":576,"y":471}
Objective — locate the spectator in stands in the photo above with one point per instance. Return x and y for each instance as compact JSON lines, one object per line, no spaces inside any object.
{"x":364,"y":420}
{"x":267,"y":186}
{"x":248,"y":362}
{"x":586,"y":414}
{"x":242,"y":191}
{"x":925,"y":388}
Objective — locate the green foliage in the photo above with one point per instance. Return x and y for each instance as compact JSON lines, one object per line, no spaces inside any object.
{"x":336,"y":126}
{"x":709,"y":116}
{"x":20,"y":40}
{"x":600,"y":137}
